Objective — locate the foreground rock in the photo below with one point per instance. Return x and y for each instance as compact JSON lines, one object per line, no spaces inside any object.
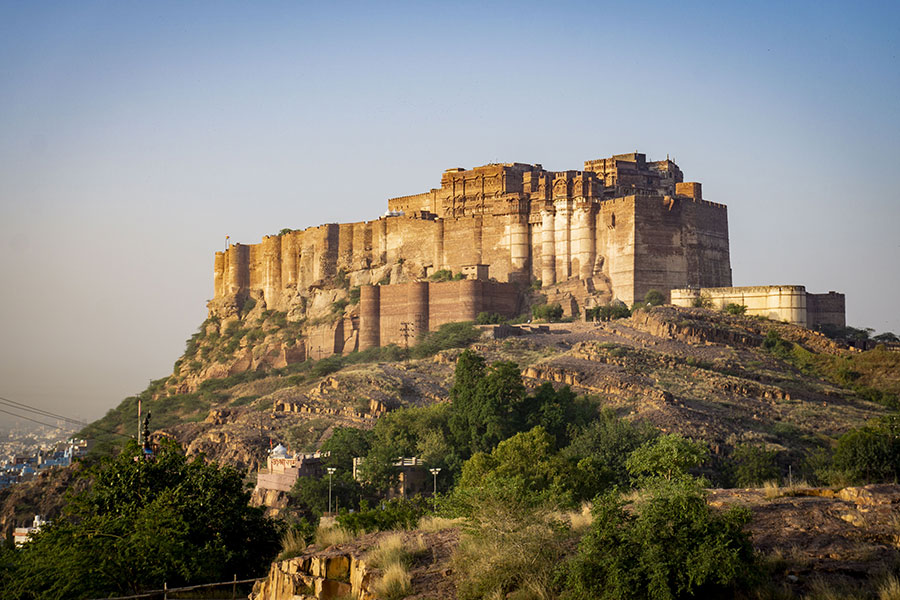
{"x":342,"y":571}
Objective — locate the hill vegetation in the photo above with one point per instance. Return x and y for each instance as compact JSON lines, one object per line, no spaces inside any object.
{"x":635,"y":418}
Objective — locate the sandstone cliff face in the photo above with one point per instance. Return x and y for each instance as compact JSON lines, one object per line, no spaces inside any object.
{"x":344,"y":571}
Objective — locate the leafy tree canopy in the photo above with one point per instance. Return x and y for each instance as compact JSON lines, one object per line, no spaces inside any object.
{"x":140,"y":523}
{"x":667,"y":457}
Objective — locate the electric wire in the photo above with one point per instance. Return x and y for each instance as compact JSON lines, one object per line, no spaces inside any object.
{"x":39,"y":411}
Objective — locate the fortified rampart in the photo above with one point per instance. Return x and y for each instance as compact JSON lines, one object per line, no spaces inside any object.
{"x":623,"y":224}
{"x":789,"y":303}
{"x":387,"y":312}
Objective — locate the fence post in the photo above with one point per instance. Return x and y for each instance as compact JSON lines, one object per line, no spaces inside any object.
{"x":234,"y":588}
{"x":165,"y":591}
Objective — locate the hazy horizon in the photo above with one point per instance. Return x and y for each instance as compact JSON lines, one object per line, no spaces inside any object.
{"x":135,"y":137}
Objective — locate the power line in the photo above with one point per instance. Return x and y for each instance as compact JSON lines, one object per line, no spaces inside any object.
{"x":46,"y":413}
{"x":32,"y":420}
{"x":40,"y":411}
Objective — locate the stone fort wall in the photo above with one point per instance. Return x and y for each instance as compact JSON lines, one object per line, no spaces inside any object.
{"x":628,"y":225}
{"x":789,"y":303}
{"x":385,"y":312}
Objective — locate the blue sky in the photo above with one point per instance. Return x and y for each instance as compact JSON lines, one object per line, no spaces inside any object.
{"x":135,"y":136}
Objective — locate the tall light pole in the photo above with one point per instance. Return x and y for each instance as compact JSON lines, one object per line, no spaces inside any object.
{"x":434,"y":471}
{"x":331,"y":471}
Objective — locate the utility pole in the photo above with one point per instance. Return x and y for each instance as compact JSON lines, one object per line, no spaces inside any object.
{"x":406,"y":331}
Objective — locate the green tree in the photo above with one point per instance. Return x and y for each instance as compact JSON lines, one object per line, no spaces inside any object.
{"x":671,"y":545}
{"x":735,"y":309}
{"x":547,"y":312}
{"x":143,"y":522}
{"x":525,"y":464}
{"x":654,"y":298}
{"x":870,"y":454}
{"x":752,"y":465}
{"x":599,"y":453}
{"x":667,"y":457}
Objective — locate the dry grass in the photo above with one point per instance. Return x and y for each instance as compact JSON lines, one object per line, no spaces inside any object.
{"x":333,"y":536}
{"x":772,"y":489}
{"x":390,"y":550}
{"x":889,"y":589}
{"x":395,"y":583}
{"x":431,"y":523}
{"x":293,"y":543}
{"x":578,"y":520}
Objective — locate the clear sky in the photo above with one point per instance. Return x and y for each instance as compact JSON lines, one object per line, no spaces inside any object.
{"x":134,"y":136}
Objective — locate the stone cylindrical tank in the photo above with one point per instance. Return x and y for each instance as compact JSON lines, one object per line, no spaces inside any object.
{"x":548,"y":248}
{"x":417,"y":306}
{"x":369,"y":317}
{"x":470,"y":299}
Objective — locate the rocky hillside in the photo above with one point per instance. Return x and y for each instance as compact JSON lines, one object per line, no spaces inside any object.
{"x":698,"y":372}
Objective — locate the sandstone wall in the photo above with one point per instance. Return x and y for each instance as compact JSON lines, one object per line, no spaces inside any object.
{"x":826,"y":309}
{"x":778,"y":302}
{"x":522,"y":221}
{"x":417,"y":307}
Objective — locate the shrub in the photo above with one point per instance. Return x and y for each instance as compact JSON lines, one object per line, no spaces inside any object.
{"x":441,"y":275}
{"x":449,"y":335}
{"x":702,"y":302}
{"x":295,"y":540}
{"x":752,"y":465}
{"x":608,"y":312}
{"x":735,"y":309}
{"x":547,"y":312}
{"x":671,"y":545}
{"x":354,"y":295}
{"x":654,"y":298}
{"x":507,"y":547}
{"x":397,"y":513}
{"x":338,"y":306}
{"x":341,"y":280}
{"x":774,"y":344}
{"x":486,"y":318}
{"x":870,"y":454}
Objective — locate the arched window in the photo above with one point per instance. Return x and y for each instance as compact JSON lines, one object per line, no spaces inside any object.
{"x":612,"y":220}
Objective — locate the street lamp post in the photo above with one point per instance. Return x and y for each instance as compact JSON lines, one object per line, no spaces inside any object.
{"x":434,"y":471}
{"x":331,"y":471}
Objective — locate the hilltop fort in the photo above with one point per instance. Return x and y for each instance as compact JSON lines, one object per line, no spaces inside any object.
{"x":614,"y":230}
